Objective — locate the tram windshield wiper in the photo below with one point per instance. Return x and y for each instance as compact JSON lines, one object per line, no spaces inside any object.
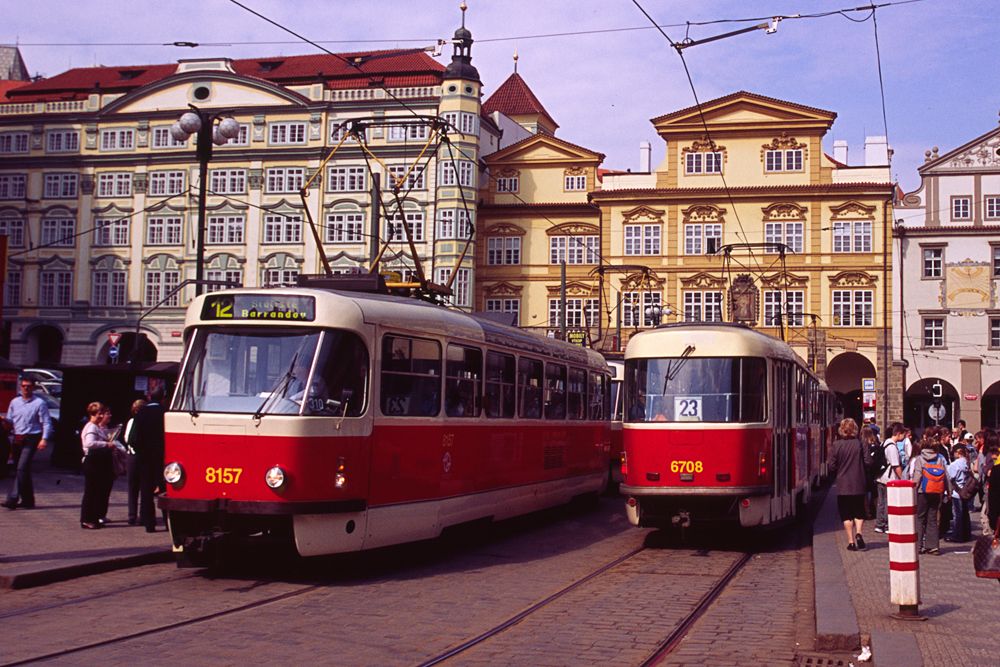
{"x":674,"y":367}
{"x":279,"y":388}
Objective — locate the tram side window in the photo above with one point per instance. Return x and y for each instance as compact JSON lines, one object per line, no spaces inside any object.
{"x":577,"y":396}
{"x":500,"y":379}
{"x":463,"y":381}
{"x":529,"y":382}
{"x":555,"y":391}
{"x":600,"y":399}
{"x":411,"y":377}
{"x":753,"y":400}
{"x":339,"y":386}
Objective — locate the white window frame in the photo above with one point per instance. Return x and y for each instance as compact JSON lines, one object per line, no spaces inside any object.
{"x":792,"y":313}
{"x":642,"y":239}
{"x":932,"y":263}
{"x":287,"y":133}
{"x":347,"y":179}
{"x":117,"y":139}
{"x":394,"y":228}
{"x":108,"y":288}
{"x":157,"y":283}
{"x":703,"y":306}
{"x":164,"y":230}
{"x":166,"y":183}
{"x":55,"y":288}
{"x":575,"y":183}
{"x":225,"y":229}
{"x":510,"y":184}
{"x":991,"y":207}
{"x":853,"y":307}
{"x":852,"y":236}
{"x":345,"y":227}
{"x":791,"y":234}
{"x":58,"y":232}
{"x":460,"y":288}
{"x":62,"y":185}
{"x":112,"y":232}
{"x":14,"y":142}
{"x":961,"y":208}
{"x":163,"y":139}
{"x":282,"y":229}
{"x":13,"y":186}
{"x":12,"y":224}
{"x":933,"y":332}
{"x":62,"y":141}
{"x":414,"y":181}
{"x":12,"y":290}
{"x":709,"y":162}
{"x":696,"y":236}
{"x":227,"y":181}
{"x":505,"y":305}
{"x":784,"y":160}
{"x":277,"y":276}
{"x":503,"y":250}
{"x":279,"y":180}
{"x":114,"y":184}
{"x":634,"y":305}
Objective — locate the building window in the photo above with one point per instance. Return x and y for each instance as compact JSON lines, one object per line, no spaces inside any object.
{"x":108,"y":289}
{"x":162,"y":183}
{"x":12,"y":186}
{"x":703,"y":163}
{"x":12,"y":225}
{"x":791,"y":314}
{"x":231,"y":276}
{"x":642,"y":239}
{"x":111,"y":232}
{"x":505,"y":306}
{"x":117,"y":140}
{"x":992,"y":206}
{"x":406,"y":178}
{"x":702,"y":306}
{"x":339,"y":131}
{"x":287,"y":133}
{"x":503,"y":250}
{"x":852,"y":236}
{"x":408,"y":132}
{"x":933,"y":262}
{"x":994,"y":330}
{"x":12,"y":294}
{"x":14,"y":142}
{"x":58,"y":232}
{"x":241,"y":139}
{"x":225,"y":229}
{"x":996,"y":260}
{"x":62,"y":141}
{"x":465,"y":173}
{"x":574,"y":249}
{"x":345,"y":227}
{"x":55,"y":288}
{"x":464,"y":122}
{"x":163,"y":139}
{"x":60,"y":186}
{"x":346,"y":179}
{"x":702,"y":239}
{"x":414,"y":221}
{"x":933,"y":332}
{"x":448,"y":228}
{"x":280,"y":228}
{"x":160,"y":283}
{"x":790,"y":234}
{"x":634,"y":305}
{"x":228,"y":181}
{"x":163,"y":231}
{"x":783,"y":160}
{"x":961,"y":208}
{"x":285,"y":179}
{"x":853,"y":308}
{"x":575,"y":183}
{"x":114,"y":184}
{"x":459,"y":288}
{"x":579,"y":312}
{"x":278,"y":277}
{"x":508,"y":184}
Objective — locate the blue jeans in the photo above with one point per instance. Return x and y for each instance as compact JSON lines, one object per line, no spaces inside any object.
{"x":881,"y":508}
{"x":961,"y":527}
{"x":23,"y":487}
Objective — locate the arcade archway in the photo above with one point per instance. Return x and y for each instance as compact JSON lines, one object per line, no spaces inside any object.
{"x":991,"y":406}
{"x":130,"y":348}
{"x":45,"y":345}
{"x":919,"y":399}
{"x":843,"y":376}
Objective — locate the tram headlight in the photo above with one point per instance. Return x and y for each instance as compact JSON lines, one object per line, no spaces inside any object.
{"x":275,"y":477}
{"x":173,"y":473}
{"x":340,"y":479}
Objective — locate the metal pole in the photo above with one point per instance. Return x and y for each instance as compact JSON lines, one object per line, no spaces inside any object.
{"x":562,"y":298}
{"x":376,"y":221}
{"x":204,"y":151}
{"x":618,"y":324}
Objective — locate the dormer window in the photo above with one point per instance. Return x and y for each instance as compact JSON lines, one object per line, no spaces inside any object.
{"x":129,"y":74}
{"x":270,"y":65}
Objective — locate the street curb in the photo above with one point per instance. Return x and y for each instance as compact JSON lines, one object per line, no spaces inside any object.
{"x":895,"y":649}
{"x":33,"y":578}
{"x":836,"y":620}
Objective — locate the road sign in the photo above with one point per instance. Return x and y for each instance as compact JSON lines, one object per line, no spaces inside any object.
{"x":113,"y":351}
{"x":577,"y":337}
{"x":867,"y":384}
{"x":936,"y":412}
{"x":114,"y":338}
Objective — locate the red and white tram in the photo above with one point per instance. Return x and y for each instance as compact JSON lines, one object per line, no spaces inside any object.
{"x":344,"y":421}
{"x":721,"y":423}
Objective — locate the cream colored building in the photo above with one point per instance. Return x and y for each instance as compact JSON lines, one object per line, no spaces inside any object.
{"x":947,"y":263}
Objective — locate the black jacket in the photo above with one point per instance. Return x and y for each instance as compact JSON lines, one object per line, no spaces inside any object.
{"x":146,"y":436}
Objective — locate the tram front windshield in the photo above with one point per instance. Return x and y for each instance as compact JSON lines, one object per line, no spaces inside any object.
{"x":273,"y":370}
{"x":689,"y":389}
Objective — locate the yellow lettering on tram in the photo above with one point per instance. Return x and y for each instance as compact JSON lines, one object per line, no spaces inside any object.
{"x":223,"y":475}
{"x":686,"y":466}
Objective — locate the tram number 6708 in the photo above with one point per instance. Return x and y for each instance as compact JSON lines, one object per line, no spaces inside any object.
{"x":686,"y":466}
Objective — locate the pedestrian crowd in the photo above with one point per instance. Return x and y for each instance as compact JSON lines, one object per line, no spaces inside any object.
{"x":952,"y":470}
{"x":109,"y":451}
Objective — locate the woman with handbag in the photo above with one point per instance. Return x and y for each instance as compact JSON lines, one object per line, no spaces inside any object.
{"x":848,"y":460}
{"x":98,"y":466}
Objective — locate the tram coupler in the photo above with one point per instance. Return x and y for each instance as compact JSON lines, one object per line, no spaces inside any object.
{"x":681,"y":520}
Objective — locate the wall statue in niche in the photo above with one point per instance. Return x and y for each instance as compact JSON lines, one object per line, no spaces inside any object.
{"x":744,"y":301}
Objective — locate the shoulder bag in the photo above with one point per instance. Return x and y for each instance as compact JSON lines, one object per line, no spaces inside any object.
{"x":970,"y":488}
{"x":119,"y":459}
{"x":986,"y":555}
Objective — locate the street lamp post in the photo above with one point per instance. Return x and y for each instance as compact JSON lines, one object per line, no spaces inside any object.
{"x":202,"y":124}
{"x":655,"y":313}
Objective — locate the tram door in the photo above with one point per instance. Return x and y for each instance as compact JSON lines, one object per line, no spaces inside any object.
{"x":783,"y":407}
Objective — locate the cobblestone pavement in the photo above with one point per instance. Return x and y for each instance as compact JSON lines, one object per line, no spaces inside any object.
{"x":404,"y":605}
{"x":964,"y":621}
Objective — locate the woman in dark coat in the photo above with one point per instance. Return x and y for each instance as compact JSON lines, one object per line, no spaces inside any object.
{"x":848,"y":461}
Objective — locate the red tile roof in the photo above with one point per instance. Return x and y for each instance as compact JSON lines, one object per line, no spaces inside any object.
{"x":738,"y":94}
{"x":514,"y":98}
{"x":8,"y":84}
{"x":405,"y":67}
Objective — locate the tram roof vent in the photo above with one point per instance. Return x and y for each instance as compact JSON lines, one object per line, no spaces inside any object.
{"x":372,"y":283}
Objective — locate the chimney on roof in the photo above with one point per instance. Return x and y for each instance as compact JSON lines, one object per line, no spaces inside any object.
{"x":645,"y":157}
{"x":840,"y":151}
{"x":876,"y":152}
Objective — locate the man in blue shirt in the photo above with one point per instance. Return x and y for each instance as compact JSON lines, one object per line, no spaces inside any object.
{"x":28,"y":418}
{"x":958,"y":473}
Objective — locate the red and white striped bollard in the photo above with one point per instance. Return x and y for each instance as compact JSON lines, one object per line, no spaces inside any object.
{"x":904,"y":567}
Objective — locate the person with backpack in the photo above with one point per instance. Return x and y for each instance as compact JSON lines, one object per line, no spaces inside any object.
{"x":958,"y":475}
{"x":929,"y":471}
{"x":887,"y":465}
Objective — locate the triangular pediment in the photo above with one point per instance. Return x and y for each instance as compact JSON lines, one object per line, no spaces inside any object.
{"x":743,"y":110}
{"x":545,"y":148}
{"x":225,"y":91}
{"x":983,"y":152}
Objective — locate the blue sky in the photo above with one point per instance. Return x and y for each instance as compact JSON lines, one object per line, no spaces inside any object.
{"x":939,"y":57}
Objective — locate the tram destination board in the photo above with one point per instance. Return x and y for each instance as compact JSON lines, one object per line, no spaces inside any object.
{"x":259,"y":307}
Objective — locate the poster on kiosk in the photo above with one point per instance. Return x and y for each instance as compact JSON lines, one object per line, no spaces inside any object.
{"x":868,"y":399}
